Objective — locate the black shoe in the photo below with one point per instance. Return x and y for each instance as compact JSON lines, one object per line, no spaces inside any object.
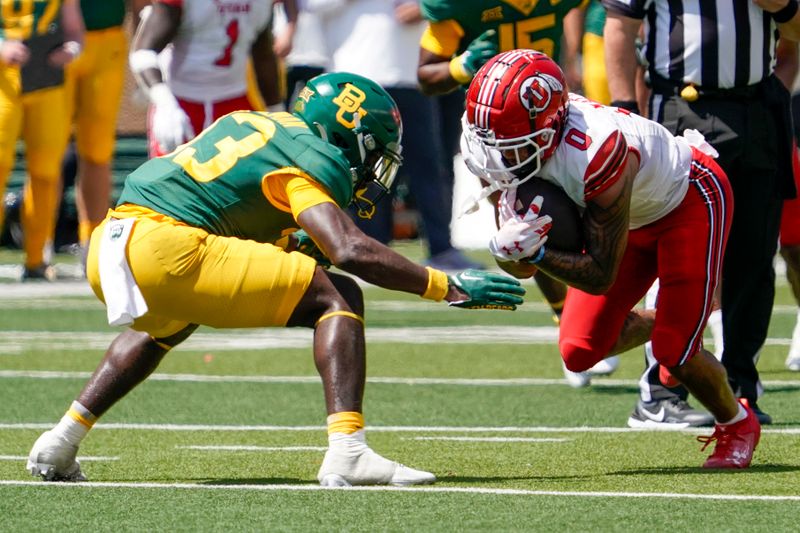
{"x":43,"y":272}
{"x":763,"y":418}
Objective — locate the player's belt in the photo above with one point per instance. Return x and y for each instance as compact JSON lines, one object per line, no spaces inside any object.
{"x":691,"y":92}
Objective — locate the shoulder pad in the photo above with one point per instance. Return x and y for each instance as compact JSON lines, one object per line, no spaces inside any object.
{"x":439,"y":10}
{"x":328,"y":166}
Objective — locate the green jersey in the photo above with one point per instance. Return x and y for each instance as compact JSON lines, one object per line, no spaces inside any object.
{"x":532,"y":24}
{"x":215,"y":182}
{"x":595,"y":19}
{"x":102,"y":14}
{"x":31,"y":20}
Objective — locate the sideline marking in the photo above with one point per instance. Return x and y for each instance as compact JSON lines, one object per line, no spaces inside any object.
{"x":440,"y":490}
{"x":256,"y":448}
{"x":388,"y":429}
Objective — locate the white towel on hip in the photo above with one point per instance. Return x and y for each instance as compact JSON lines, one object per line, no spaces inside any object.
{"x":696,"y":139}
{"x":124,"y":300}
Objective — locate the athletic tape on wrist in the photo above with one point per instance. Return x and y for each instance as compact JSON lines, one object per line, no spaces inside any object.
{"x":143,"y":59}
{"x":438,"y":285}
{"x":459,"y":72}
{"x":160,"y":94}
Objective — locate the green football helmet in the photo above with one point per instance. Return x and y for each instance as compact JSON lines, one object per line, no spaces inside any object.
{"x":359,"y":117}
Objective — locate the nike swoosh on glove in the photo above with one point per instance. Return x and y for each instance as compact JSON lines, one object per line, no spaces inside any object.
{"x":487,"y":290}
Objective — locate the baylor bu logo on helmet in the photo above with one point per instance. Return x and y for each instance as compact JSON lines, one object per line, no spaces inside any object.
{"x":516,"y":108}
{"x":349,"y":101}
{"x":361,"y":119}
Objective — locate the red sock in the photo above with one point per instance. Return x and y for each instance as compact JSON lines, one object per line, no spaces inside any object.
{"x":666,"y":377}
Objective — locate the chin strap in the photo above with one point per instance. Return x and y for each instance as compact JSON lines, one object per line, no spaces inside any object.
{"x":472,"y":203}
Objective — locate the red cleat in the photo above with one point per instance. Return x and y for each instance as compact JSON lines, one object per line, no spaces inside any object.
{"x":735,"y":443}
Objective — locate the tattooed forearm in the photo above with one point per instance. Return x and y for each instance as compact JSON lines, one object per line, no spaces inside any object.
{"x":606,"y":235}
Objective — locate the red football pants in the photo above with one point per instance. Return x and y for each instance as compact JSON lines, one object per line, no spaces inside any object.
{"x":790,"y":216}
{"x":684,"y":250}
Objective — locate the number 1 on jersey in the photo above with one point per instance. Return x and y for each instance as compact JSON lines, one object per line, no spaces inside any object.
{"x":232,"y":31}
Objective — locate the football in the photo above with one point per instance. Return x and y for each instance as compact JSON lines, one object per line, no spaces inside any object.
{"x":567,"y":230}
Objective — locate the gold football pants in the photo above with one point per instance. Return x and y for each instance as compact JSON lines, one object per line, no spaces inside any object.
{"x":189,"y":276}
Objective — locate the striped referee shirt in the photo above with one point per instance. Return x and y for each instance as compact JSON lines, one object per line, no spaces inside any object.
{"x":717,"y":44}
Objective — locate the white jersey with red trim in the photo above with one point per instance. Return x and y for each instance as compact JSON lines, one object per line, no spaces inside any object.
{"x":208,"y":57}
{"x":591,"y":156}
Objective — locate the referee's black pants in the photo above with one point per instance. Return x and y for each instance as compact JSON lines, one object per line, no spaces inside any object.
{"x":753,"y":137}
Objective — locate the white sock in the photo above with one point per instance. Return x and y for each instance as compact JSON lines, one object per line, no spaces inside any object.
{"x":348,"y":443}
{"x":715,"y":324}
{"x":741,"y":415}
{"x":70,"y":429}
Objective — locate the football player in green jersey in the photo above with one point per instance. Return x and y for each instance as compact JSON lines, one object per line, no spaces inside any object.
{"x":462,"y":36}
{"x":221,"y":232}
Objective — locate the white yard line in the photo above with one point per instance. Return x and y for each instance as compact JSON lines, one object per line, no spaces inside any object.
{"x":470,"y":382}
{"x":382,"y":429}
{"x":490,"y":439}
{"x":75,"y":300}
{"x":281,"y":338}
{"x":99,"y":458}
{"x":410,"y":490}
{"x":243,"y":448}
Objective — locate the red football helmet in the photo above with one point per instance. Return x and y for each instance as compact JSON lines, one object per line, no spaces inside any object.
{"x":517,"y":104}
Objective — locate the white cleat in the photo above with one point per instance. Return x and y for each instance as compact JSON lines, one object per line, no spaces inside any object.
{"x":605,"y":366}
{"x":349,"y":461}
{"x":577,"y":379}
{"x":53,"y":459}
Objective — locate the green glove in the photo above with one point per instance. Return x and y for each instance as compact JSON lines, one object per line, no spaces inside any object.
{"x":463,"y":67}
{"x":487,"y":290}
{"x":306,"y":245}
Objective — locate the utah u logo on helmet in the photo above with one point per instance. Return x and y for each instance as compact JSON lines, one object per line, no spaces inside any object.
{"x":536,"y":92}
{"x":349,"y":101}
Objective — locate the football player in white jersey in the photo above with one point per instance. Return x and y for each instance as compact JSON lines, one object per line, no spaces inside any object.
{"x":654,"y":206}
{"x":207,"y":45}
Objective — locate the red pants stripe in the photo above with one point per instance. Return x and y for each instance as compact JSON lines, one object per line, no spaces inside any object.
{"x":684,"y":250}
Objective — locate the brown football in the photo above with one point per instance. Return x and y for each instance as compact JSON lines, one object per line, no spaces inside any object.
{"x":567,"y":231}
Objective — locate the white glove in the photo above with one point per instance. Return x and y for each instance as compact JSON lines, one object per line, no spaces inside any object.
{"x":171,"y":125}
{"x":506,"y":206}
{"x":519,"y":237}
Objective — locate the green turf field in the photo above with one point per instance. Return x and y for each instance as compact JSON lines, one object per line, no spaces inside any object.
{"x":229,"y":433}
